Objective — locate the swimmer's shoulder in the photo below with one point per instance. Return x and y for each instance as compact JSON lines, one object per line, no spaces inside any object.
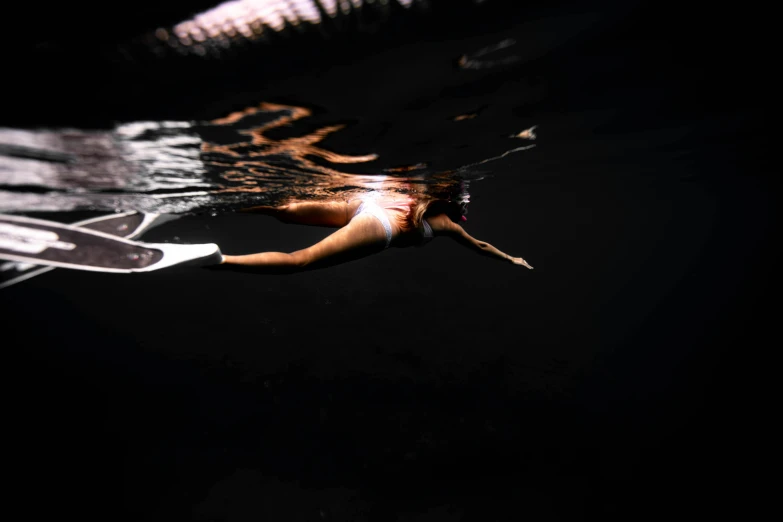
{"x":441,"y":224}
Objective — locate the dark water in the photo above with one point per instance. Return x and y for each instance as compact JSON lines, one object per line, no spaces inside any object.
{"x":419,"y":384}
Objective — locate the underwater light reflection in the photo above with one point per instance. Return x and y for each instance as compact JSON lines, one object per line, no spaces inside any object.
{"x":248,"y":19}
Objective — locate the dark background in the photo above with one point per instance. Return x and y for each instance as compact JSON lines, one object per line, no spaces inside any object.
{"x":611,"y":381}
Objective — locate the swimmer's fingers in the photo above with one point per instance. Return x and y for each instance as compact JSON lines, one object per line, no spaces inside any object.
{"x":520,"y":261}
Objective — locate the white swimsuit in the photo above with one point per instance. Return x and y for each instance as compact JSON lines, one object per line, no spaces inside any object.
{"x":369,"y":206}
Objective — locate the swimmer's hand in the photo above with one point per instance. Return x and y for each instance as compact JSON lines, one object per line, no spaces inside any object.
{"x":520,"y":261}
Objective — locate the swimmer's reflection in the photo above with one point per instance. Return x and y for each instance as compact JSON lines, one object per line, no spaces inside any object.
{"x":366,"y":225}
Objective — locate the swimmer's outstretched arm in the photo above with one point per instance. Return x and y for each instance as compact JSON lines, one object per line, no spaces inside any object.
{"x":442,"y":225}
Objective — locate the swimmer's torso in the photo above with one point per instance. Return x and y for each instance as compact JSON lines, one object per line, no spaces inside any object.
{"x":398,"y":210}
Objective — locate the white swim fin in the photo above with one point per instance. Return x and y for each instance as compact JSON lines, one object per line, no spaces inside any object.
{"x":49,"y":243}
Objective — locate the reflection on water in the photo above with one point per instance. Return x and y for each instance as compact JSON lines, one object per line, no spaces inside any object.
{"x":489,"y":57}
{"x":239,"y":21}
{"x":180,"y":167}
{"x":245,"y":164}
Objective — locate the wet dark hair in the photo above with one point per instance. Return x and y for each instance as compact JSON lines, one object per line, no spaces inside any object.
{"x":451,"y":208}
{"x":434,"y":207}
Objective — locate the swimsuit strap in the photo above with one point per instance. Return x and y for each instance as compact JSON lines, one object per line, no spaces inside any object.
{"x":427,"y":229}
{"x":426,"y":233}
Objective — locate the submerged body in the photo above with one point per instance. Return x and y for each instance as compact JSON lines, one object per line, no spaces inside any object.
{"x":366,"y":226}
{"x":394,"y":214}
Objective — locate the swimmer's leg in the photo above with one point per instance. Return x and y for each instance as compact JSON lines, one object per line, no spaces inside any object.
{"x":363,"y":236}
{"x":325,"y":214}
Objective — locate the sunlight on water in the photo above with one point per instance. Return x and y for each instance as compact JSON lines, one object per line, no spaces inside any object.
{"x":221,"y":165}
{"x":266,"y":153}
{"x":233,"y":22}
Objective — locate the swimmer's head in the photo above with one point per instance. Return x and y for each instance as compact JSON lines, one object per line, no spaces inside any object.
{"x":454,"y":210}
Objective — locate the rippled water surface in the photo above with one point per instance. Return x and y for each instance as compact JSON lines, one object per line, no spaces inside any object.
{"x":224,"y":164}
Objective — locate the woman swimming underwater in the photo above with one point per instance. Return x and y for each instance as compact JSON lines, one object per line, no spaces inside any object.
{"x":366,"y":225}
